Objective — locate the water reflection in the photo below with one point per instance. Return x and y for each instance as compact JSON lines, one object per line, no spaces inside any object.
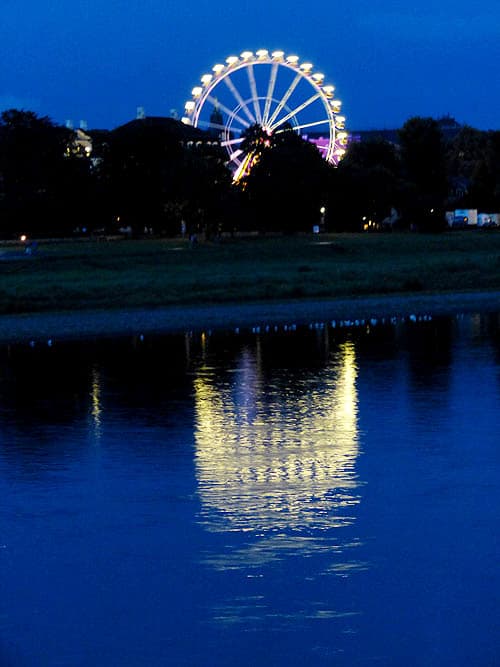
{"x":190,"y":496}
{"x":278,"y":453}
{"x":95,"y":396}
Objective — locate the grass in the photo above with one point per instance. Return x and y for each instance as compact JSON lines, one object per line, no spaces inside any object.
{"x":150,"y":273}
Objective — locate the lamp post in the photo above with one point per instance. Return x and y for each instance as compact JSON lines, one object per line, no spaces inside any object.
{"x":322,"y":212}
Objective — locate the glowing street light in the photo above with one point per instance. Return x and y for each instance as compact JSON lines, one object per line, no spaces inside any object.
{"x":322,"y":212}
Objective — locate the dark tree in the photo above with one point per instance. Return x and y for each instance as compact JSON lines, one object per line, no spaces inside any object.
{"x":158,"y":172}
{"x":287,"y":185}
{"x":484,"y":191}
{"x":366,"y":186}
{"x":465,"y":157}
{"x":372,"y":154}
{"x":256,"y":140}
{"x":423,"y":156}
{"x":43,"y":180}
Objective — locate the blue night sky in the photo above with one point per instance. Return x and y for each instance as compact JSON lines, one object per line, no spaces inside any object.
{"x":99,"y":60}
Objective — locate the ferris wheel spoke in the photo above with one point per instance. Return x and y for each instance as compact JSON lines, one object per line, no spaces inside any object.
{"x":297,"y":110}
{"x":255,"y":97}
{"x":325,"y":121}
{"x":212,"y":126}
{"x":228,"y":111}
{"x":244,"y":167}
{"x":270,"y":92}
{"x":292,"y":102}
{"x":285,"y":99}
{"x":231,"y":142}
{"x":239,"y":99}
{"x":241,"y":170}
{"x":234,"y":156}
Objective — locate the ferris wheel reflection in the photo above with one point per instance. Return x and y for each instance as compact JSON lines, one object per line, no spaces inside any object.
{"x":277,"y":454}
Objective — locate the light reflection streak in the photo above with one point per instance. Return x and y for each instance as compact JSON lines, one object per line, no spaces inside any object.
{"x":95,"y":397}
{"x":278,"y":456}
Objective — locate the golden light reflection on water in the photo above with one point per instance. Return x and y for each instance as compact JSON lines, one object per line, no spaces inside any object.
{"x":280,"y":454}
{"x":95,"y":397}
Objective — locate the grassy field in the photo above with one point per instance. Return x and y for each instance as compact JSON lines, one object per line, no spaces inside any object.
{"x":126,"y":274}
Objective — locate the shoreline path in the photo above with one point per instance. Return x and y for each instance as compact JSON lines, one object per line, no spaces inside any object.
{"x":42,"y":327}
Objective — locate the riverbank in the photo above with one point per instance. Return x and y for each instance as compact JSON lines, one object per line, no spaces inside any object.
{"x":49,"y":328}
{"x":87,"y":289}
{"x":131,"y":275}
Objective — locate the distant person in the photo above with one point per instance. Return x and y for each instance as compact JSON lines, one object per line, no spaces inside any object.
{"x":31,"y":248}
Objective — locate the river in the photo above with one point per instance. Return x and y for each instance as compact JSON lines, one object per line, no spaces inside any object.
{"x":322,"y":496}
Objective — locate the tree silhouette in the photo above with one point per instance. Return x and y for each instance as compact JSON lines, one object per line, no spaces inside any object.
{"x":156,"y":175}
{"x":41,"y":178}
{"x":286,"y":187}
{"x":423,"y":156}
{"x":366,"y":185}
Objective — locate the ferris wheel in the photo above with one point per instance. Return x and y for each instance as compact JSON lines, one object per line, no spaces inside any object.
{"x":272,"y":92}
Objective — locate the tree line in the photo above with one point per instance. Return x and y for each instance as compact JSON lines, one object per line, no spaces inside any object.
{"x":161,"y":177}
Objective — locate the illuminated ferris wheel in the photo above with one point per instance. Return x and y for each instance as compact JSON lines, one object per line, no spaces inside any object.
{"x":272,"y":92}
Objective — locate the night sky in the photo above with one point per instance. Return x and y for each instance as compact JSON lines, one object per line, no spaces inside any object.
{"x":99,"y":60}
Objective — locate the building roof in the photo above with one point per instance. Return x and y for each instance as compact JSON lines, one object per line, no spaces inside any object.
{"x":170,"y":126}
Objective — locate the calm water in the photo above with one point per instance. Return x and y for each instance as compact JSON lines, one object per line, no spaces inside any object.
{"x":321,"y":497}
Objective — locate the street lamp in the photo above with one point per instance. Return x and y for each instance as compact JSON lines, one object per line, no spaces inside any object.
{"x":322,"y":211}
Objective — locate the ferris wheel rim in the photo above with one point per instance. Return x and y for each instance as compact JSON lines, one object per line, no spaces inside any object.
{"x":249,"y":111}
